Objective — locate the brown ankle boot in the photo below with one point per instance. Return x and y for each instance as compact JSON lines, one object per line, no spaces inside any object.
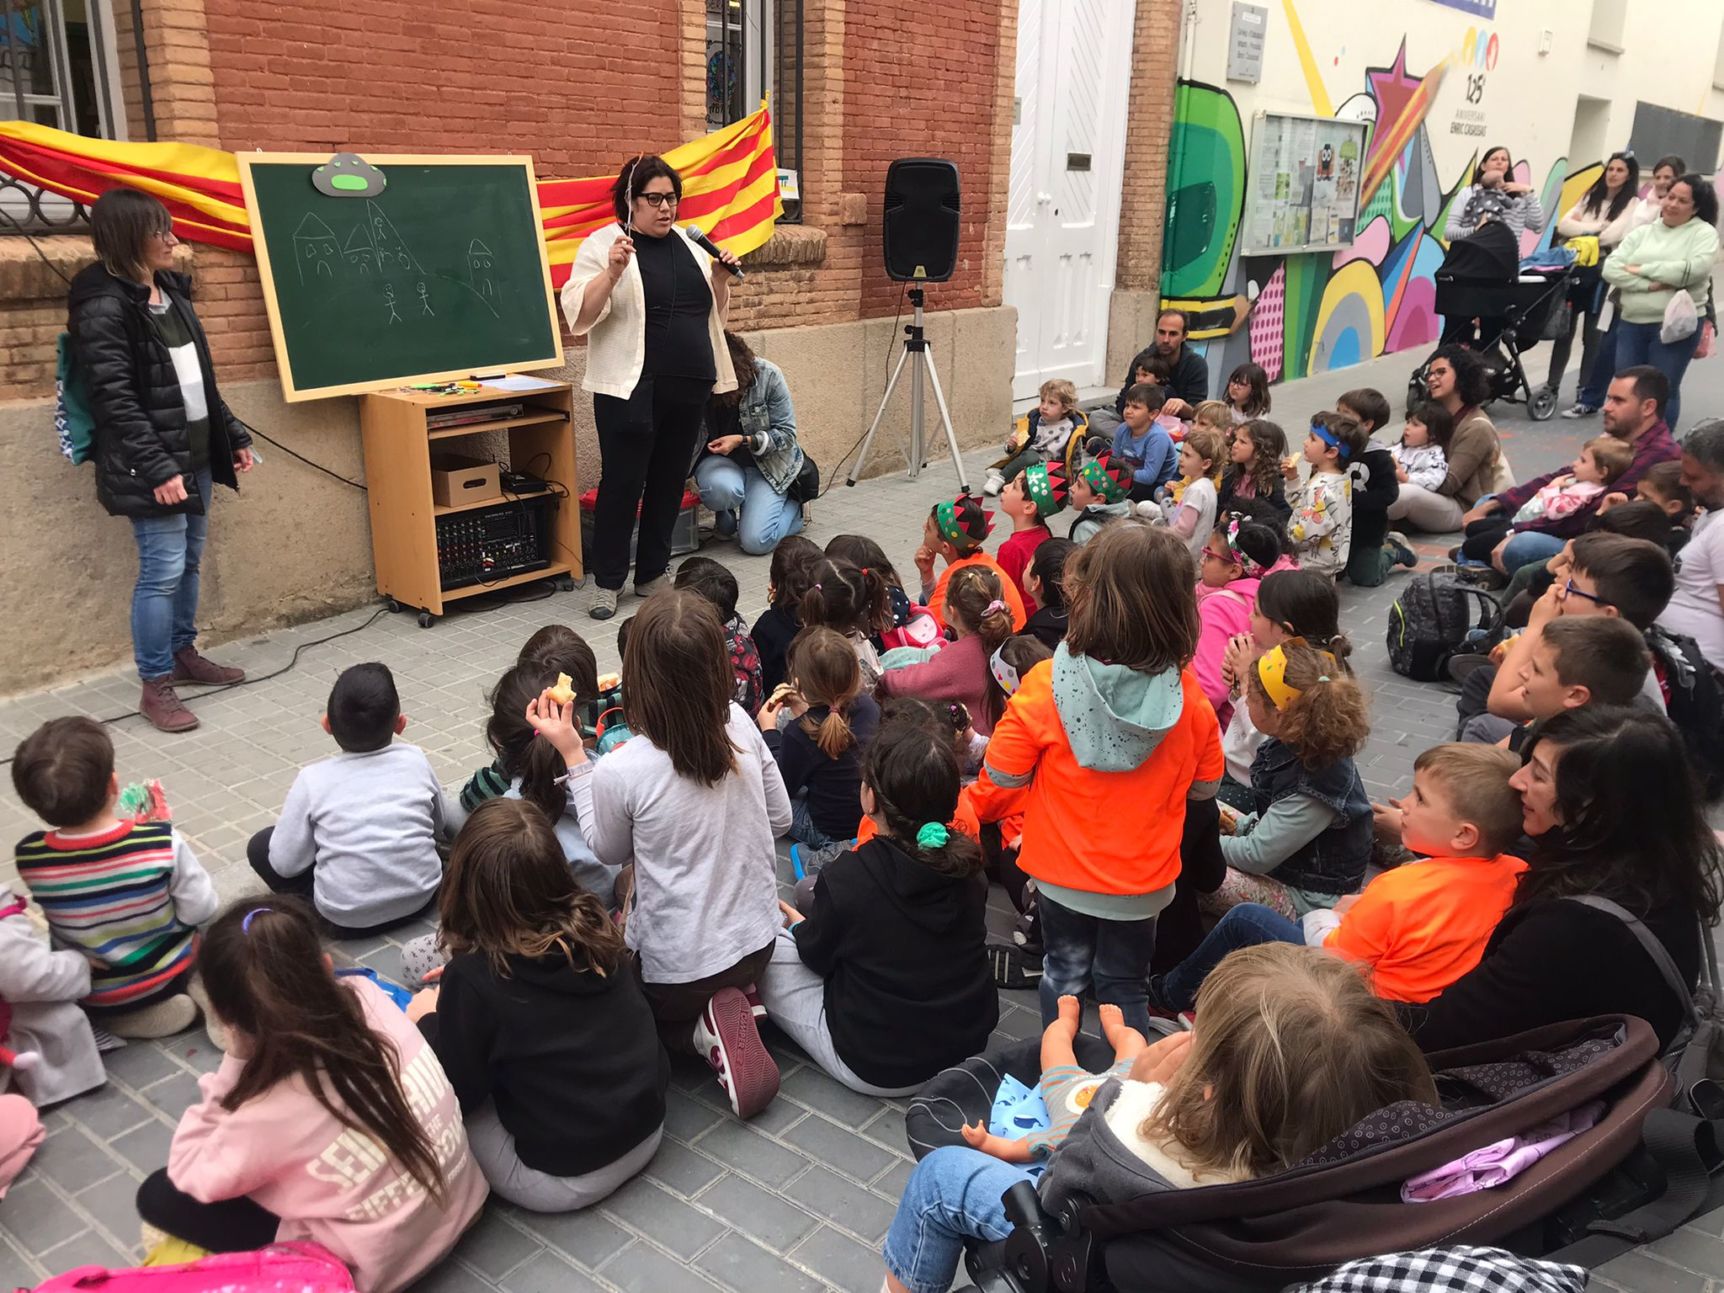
{"x":163,"y":707}
{"x":189,"y":666}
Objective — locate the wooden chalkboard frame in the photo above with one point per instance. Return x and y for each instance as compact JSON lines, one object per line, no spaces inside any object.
{"x":291,"y":391}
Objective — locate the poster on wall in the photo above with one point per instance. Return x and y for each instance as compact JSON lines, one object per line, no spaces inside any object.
{"x":1303,"y":194}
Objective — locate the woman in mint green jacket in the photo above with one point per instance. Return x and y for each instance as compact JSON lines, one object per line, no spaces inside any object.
{"x":1674,"y":253}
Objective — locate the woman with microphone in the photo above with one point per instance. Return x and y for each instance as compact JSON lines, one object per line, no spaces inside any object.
{"x":651,"y":303}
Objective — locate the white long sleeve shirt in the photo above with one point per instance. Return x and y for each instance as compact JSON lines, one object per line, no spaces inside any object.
{"x":706,"y":881}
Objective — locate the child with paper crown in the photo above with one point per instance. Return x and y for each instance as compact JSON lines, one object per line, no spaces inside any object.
{"x":1029,"y":498}
{"x":955,"y":531}
{"x":1100,"y":491}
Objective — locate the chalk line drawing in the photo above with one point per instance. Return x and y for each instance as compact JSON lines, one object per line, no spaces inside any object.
{"x":314,"y":246}
{"x":389,"y":296}
{"x":479,"y":261}
{"x":425,"y":300}
{"x":359,"y":253}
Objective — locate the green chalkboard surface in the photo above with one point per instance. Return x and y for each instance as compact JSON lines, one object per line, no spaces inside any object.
{"x":441,"y":274}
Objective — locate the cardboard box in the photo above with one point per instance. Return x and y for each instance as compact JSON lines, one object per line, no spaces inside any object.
{"x":456,"y":481}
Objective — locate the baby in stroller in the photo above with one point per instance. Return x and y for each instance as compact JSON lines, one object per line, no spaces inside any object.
{"x":1290,"y":1049}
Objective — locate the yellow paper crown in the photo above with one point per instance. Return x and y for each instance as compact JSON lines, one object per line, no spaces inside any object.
{"x":1272,"y":673}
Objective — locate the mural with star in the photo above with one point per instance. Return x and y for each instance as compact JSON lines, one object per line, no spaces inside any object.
{"x":1309,"y":313}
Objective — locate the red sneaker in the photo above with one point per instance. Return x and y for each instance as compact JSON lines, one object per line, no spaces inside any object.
{"x":727,"y":1039}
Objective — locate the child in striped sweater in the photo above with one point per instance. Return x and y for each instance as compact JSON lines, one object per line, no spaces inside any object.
{"x":128,"y":895}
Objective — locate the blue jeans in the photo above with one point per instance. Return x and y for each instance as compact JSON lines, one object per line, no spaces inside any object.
{"x":954,"y":1194}
{"x":803,"y":828}
{"x":1081,"y":952}
{"x":1595,"y":382}
{"x":766,"y":515}
{"x":165,"y":598}
{"x":1246,"y":925}
{"x":1524,"y":549}
{"x":1638,"y":343}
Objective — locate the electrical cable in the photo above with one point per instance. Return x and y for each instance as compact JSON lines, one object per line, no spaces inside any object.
{"x":247,"y":682}
{"x":294,"y":453}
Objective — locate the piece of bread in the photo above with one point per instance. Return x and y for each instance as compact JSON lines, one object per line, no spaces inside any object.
{"x":783,"y":691}
{"x":564,"y":692}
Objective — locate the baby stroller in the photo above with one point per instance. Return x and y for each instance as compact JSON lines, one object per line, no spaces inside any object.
{"x":1481,"y":279}
{"x":1640,"y":1171}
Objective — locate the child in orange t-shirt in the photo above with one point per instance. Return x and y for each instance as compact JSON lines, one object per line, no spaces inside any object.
{"x":1100,"y":748}
{"x":956,"y":531}
{"x":1417,"y":928}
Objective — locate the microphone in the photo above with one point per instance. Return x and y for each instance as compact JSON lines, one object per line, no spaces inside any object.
{"x":698,"y":237}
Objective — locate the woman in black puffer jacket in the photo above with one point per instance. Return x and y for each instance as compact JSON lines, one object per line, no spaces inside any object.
{"x":163,"y":436}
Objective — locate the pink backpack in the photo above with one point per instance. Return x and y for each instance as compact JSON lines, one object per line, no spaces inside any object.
{"x":279,"y":1268}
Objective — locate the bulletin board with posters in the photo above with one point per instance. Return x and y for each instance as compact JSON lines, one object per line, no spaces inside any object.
{"x":1302,"y":191}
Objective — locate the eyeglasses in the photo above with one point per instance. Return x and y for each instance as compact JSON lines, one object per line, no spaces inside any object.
{"x":659,"y":199}
{"x":1210,"y":554}
{"x":1570,"y":590}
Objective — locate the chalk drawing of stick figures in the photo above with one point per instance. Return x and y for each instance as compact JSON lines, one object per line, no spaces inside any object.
{"x":425,"y":300}
{"x":389,"y":296}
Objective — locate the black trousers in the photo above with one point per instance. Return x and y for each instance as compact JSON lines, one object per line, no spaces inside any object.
{"x":231,"y":1226}
{"x":647,"y":445}
{"x":302,"y":886}
{"x":1484,"y":535}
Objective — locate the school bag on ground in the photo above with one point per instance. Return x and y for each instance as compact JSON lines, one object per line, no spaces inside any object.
{"x":1438,"y":616}
{"x":1695,"y":705}
{"x":279,"y":1268}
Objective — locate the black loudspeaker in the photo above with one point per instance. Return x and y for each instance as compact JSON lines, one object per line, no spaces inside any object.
{"x":920,"y":234}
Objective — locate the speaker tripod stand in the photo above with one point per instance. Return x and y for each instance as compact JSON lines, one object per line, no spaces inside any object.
{"x":921,"y":361}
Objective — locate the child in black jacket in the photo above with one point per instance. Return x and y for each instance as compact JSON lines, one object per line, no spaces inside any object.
{"x":1375,"y":490}
{"x":539,"y":1020}
{"x":886,"y":981}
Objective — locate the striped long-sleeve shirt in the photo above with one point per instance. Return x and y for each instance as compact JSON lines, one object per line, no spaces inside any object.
{"x":129,"y":898}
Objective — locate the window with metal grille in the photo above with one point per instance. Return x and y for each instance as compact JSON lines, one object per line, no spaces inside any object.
{"x":754,"y":48}
{"x":57,"y":68}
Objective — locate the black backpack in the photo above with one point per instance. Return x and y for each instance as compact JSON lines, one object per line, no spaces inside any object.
{"x":1437,"y":616}
{"x":1695,"y":705}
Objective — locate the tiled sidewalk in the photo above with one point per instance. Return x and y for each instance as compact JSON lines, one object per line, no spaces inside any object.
{"x":800,"y":1197}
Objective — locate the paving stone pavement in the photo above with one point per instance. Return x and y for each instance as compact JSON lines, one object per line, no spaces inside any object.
{"x":797,"y":1199}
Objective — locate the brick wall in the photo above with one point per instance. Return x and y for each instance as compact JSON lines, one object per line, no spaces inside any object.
{"x":1149,"y":130}
{"x":576,"y":86}
{"x":921,"y":80}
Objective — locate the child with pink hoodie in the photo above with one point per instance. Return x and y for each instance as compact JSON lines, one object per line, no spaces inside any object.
{"x":1248,"y":543}
{"x":329,"y":1119}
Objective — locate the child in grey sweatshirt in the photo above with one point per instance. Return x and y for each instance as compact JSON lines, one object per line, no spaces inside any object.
{"x":358,"y":833}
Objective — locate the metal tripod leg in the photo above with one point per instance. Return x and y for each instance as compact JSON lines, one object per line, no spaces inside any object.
{"x":868,"y":440}
{"x":946,"y":421}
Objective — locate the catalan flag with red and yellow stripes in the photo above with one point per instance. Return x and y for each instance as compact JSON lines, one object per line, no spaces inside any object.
{"x":729,"y":185}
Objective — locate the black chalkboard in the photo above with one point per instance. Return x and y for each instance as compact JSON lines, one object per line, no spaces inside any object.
{"x":441,"y":274}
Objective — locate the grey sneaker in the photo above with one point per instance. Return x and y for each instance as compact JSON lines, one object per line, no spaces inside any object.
{"x":604,"y":603}
{"x":652,"y":586}
{"x":1401,"y":549}
{"x":1579,"y":410}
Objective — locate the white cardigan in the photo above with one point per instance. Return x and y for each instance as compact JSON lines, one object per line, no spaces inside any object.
{"x":616,"y":341}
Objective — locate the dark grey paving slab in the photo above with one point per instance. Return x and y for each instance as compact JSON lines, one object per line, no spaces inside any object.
{"x":769,"y":1217}
{"x":661,"y":1216}
{"x":739,"y":1263}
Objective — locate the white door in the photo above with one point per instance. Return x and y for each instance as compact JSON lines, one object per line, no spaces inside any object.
{"x":1062,"y":208}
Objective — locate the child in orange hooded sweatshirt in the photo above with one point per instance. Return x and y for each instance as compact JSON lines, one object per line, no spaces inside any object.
{"x":1102,"y":747}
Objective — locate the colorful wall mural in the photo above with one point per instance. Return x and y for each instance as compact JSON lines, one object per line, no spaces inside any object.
{"x":1308,"y":313}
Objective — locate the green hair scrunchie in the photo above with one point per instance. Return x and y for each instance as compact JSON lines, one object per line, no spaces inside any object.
{"x":932,"y":836}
